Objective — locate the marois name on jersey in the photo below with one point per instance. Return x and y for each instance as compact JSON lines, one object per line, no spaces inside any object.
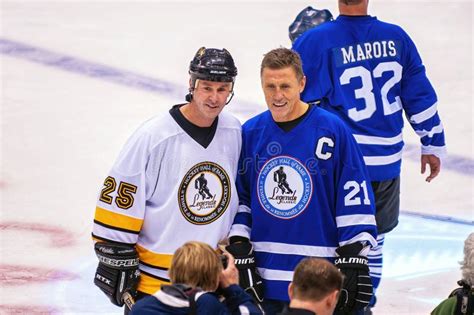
{"x":368,"y":50}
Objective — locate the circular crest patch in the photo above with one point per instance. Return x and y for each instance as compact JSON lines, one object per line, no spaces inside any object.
{"x":284,"y":187}
{"x":204,"y":193}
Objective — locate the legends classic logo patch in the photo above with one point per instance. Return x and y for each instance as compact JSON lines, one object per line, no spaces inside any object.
{"x":284,"y":187}
{"x":204,"y":193}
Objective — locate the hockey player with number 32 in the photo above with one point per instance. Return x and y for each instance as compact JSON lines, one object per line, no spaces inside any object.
{"x":369,"y":73}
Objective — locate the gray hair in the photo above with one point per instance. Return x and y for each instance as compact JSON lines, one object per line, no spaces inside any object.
{"x":467,"y":265}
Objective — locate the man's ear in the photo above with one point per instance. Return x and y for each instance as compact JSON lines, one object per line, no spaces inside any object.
{"x":331,"y":299}
{"x":290,"y":290}
{"x":302,"y":84}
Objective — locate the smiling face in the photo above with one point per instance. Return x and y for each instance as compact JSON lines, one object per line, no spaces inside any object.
{"x":282,"y":90}
{"x":209,"y":99}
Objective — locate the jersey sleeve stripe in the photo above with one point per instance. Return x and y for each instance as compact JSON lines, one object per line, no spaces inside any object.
{"x":278,"y":275}
{"x":355,"y":219}
{"x":103,"y":239}
{"x":240,"y":230}
{"x":364,"y":236}
{"x":113,"y":234}
{"x":150,"y":283}
{"x":152,"y":266}
{"x":152,"y":272}
{"x":361,"y":139}
{"x":431,"y":149}
{"x":375,"y":270}
{"x":154,"y":259}
{"x":115,"y":228}
{"x":294,"y":249}
{"x":383,"y":160}
{"x":429,"y":133}
{"x":117,"y":220}
{"x":424,"y":115}
{"x":244,"y":209}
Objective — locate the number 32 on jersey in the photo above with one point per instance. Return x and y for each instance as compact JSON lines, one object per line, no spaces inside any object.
{"x":366,"y":93}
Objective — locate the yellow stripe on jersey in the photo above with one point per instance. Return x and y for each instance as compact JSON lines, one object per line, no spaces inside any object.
{"x":117,"y":220}
{"x":154,"y":259}
{"x":95,"y":239}
{"x":149,"y":285}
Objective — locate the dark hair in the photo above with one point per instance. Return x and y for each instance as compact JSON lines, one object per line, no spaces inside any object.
{"x":315,"y":278}
{"x":280,"y":58}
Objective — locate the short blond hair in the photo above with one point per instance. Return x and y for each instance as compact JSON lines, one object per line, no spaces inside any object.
{"x":197,"y":265}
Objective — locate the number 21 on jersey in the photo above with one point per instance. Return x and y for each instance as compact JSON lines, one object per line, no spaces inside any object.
{"x":353,"y":198}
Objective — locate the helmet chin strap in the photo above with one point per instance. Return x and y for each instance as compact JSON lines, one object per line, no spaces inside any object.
{"x":189,"y":96}
{"x":229,"y":98}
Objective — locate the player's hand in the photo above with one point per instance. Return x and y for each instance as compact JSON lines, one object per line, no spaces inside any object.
{"x":357,"y":288}
{"x":117,"y":272}
{"x":434,"y":163}
{"x":249,"y":278}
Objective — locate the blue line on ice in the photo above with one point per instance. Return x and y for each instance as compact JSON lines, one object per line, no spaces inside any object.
{"x":455,"y":163}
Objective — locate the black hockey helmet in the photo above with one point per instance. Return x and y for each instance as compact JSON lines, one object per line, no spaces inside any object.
{"x":211,"y":64}
{"x":306,"y":19}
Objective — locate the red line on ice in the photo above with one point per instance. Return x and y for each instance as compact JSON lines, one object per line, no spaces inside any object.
{"x":13,"y":275}
{"x":59,"y":237}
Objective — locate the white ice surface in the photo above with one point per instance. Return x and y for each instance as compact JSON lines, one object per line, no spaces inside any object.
{"x":61,"y":131}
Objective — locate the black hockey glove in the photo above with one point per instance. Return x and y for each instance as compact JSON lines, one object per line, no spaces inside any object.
{"x":357,"y":287}
{"x":117,"y":272}
{"x":244,"y":259}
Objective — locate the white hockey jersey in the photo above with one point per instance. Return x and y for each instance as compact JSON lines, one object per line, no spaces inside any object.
{"x":166,"y":189}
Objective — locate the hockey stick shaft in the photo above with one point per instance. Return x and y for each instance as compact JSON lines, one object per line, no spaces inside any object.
{"x":128,"y":300}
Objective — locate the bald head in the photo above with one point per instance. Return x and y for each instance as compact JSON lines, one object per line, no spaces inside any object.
{"x":353,"y":7}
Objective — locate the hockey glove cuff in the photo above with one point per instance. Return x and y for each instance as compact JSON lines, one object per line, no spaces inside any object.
{"x":117,"y":272}
{"x":357,"y":288}
{"x":249,"y":278}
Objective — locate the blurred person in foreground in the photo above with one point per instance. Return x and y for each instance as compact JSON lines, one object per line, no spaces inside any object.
{"x":196,"y":272}
{"x":461,"y":300}
{"x":315,"y":288}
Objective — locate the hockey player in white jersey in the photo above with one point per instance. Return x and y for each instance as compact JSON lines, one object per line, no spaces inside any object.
{"x":173,"y":182}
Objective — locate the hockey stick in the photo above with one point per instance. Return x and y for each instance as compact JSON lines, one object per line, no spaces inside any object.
{"x":128,"y":299}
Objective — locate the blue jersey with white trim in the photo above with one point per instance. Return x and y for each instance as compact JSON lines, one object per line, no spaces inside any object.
{"x":369,"y":72}
{"x":302,"y":193}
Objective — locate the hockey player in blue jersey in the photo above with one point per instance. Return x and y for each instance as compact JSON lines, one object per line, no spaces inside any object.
{"x":329,"y":211}
{"x":369,"y":73}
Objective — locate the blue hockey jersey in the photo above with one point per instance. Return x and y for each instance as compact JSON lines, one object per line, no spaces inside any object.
{"x":370,"y":72}
{"x":302,"y":193}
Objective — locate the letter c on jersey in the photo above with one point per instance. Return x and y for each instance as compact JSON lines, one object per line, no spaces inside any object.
{"x":322,"y":152}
